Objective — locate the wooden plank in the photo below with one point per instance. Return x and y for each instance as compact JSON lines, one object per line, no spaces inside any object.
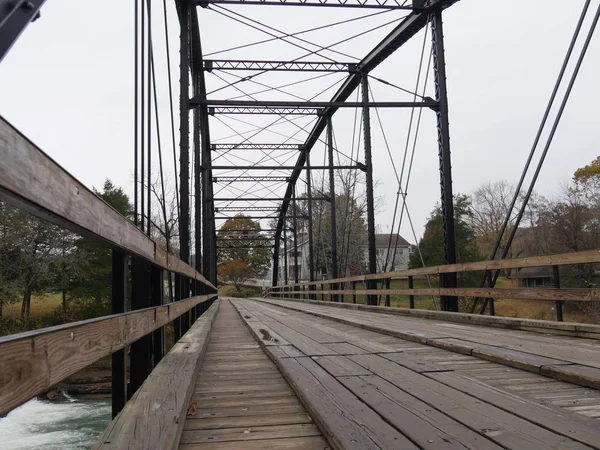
{"x":570,"y":425}
{"x":249,"y":433}
{"x":344,"y":348}
{"x":413,"y":363}
{"x":206,"y":398}
{"x":202,"y":388}
{"x":502,"y":427}
{"x":302,"y":443}
{"x":246,"y":411}
{"x":153,"y":417}
{"x":244,"y":421}
{"x":347,"y":422}
{"x":32,"y":180}
{"x":575,"y":373}
{"x":422,"y":424}
{"x":539,"y":326}
{"x":33,"y":362}
{"x":339,"y":366}
{"x":285,"y":351}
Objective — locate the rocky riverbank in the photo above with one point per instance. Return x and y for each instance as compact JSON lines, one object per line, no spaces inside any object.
{"x":92,"y":382}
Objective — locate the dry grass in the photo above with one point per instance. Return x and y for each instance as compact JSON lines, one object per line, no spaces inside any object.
{"x":41,"y":305}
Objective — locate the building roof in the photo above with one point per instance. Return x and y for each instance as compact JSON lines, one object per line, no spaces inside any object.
{"x":383,"y":240}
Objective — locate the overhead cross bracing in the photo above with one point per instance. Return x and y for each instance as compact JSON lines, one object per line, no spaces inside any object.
{"x":284,"y":86}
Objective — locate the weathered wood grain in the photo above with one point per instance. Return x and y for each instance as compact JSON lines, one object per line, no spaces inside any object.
{"x":32,"y":180}
{"x":32,"y":362}
{"x":154,"y":417}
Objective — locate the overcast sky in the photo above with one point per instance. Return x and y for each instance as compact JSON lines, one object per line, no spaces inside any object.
{"x":67,"y":85}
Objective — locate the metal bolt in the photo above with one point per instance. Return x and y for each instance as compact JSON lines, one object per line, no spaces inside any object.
{"x":28,"y":5}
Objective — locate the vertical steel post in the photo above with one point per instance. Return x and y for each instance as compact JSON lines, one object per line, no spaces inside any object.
{"x":275,"y":274}
{"x":311,"y":260}
{"x":142,"y":113}
{"x":371,"y":284}
{"x":411,"y":297}
{"x":285,"y":254}
{"x":295,"y":222}
{"x":387,"y":296}
{"x":184,"y":154}
{"x":559,"y":303}
{"x":197,"y":188}
{"x":119,"y":358}
{"x":149,"y":162}
{"x":141,"y":350}
{"x":448,"y":303}
{"x":491,"y":299}
{"x":332,"y":209}
{"x":157,"y":299}
{"x":136,"y":113}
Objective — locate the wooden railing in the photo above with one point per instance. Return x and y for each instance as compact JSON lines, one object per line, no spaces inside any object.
{"x":335,"y":287}
{"x":32,"y":362}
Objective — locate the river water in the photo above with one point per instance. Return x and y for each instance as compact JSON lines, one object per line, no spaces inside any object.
{"x":66,"y":425}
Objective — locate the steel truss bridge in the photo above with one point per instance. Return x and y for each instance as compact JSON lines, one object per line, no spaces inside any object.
{"x":311,"y":364}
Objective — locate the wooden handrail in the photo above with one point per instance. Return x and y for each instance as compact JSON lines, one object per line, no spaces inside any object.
{"x":34,"y":361}
{"x":153,"y":418}
{"x":590,"y":256}
{"x":575,"y":295}
{"x":33,"y":181}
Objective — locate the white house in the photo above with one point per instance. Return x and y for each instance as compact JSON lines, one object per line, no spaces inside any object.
{"x":382,"y":243}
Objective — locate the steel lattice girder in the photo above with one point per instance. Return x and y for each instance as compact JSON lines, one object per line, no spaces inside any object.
{"x":410,"y":26}
{"x":290,"y":66}
{"x":364,"y":4}
{"x":298,"y":105}
{"x":264,"y":110}
{"x":250,"y":179}
{"x":249,"y":146}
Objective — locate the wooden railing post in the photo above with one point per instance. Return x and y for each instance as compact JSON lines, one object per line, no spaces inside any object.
{"x":354,"y":293}
{"x":119,"y":304}
{"x":411,"y":297}
{"x":559,"y":303}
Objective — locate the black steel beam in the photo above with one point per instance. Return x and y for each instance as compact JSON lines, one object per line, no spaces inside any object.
{"x":196,"y":101}
{"x":263,"y":110}
{"x":246,"y":208}
{"x":332,"y":209}
{"x":371,"y":284}
{"x":362,"y":4}
{"x":120,"y":275}
{"x":262,"y":199}
{"x":256,"y":217}
{"x":14,"y":18}
{"x":357,"y":166}
{"x":309,"y":200}
{"x":410,"y":26}
{"x":182,"y":283}
{"x":250,"y":146}
{"x":244,"y":246}
{"x":448,"y":303}
{"x":246,"y":179}
{"x":288,"y":66}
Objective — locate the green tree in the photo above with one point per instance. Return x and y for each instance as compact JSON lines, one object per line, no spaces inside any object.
{"x":95,"y":263}
{"x":432,"y":249}
{"x":243,"y":252}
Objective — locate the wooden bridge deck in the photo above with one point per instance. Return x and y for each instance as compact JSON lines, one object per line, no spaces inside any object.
{"x":369,"y":389}
{"x":241,"y":400}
